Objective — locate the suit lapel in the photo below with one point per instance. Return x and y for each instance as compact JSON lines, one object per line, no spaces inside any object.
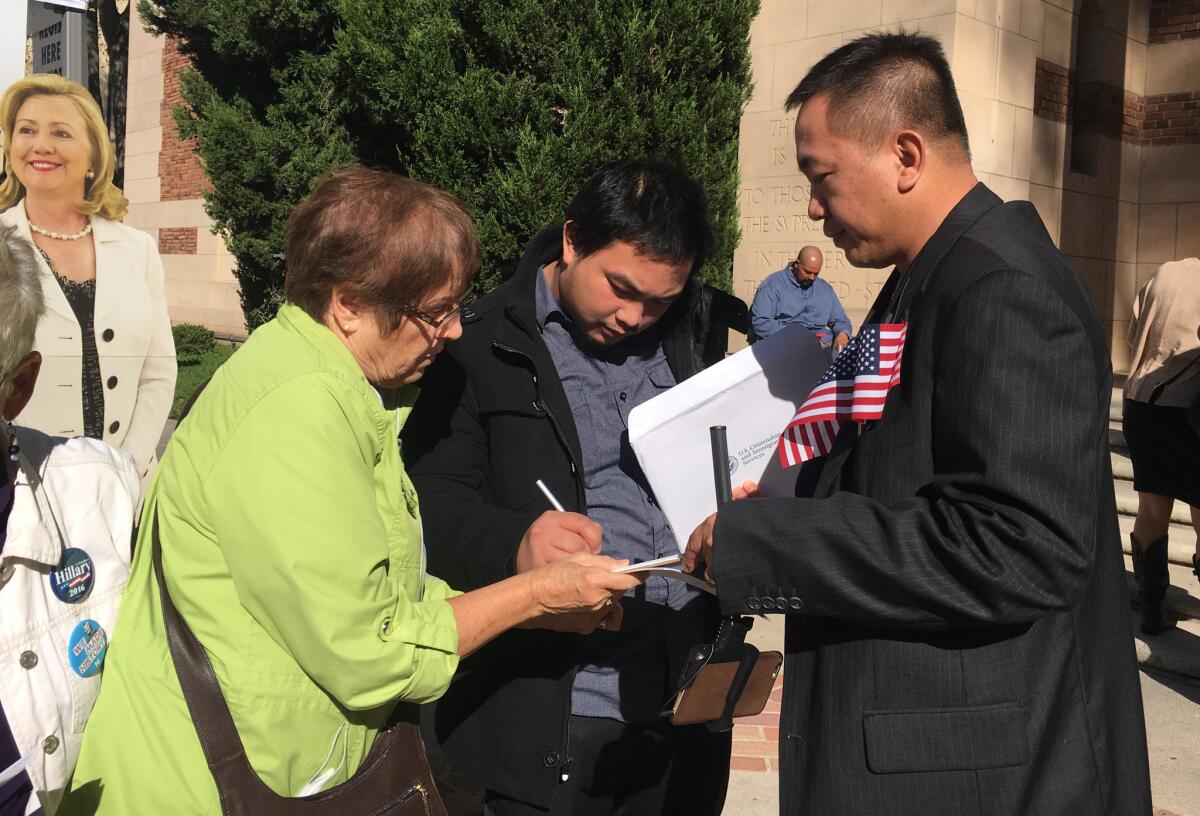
{"x":111,"y":259}
{"x":896,"y":298}
{"x":973,"y":206}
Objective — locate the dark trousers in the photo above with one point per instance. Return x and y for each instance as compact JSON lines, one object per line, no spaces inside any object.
{"x":636,"y":770}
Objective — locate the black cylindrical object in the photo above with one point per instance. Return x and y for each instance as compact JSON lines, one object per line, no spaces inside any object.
{"x":720,"y":459}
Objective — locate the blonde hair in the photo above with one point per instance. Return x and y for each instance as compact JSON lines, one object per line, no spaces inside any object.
{"x":101,"y":197}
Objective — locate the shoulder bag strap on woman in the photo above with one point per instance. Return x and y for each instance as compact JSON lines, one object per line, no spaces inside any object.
{"x":394,"y":779}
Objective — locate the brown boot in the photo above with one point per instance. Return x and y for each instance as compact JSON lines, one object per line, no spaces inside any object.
{"x":1150,"y":571}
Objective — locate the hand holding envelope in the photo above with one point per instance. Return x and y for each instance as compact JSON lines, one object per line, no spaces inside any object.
{"x":754,"y":394}
{"x":699,"y":546}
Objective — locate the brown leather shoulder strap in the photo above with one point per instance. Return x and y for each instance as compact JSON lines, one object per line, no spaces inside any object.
{"x":393,"y":780}
{"x":210,"y":715}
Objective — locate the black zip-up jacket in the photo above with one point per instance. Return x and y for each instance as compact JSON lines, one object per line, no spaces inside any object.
{"x":492,"y":418}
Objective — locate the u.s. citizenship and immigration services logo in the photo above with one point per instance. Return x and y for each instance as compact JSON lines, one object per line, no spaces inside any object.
{"x":72,"y":580}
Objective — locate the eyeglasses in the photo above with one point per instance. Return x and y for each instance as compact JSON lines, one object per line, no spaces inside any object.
{"x":427,"y":318}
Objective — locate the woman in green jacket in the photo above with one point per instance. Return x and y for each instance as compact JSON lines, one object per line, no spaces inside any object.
{"x":291,"y":541}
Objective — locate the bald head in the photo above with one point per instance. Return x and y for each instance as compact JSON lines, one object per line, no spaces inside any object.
{"x":807,"y":265}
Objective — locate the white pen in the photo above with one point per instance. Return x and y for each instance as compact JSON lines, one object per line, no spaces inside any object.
{"x":555,"y":503}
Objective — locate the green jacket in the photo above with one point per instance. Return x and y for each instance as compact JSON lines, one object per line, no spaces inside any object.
{"x":292,"y":548}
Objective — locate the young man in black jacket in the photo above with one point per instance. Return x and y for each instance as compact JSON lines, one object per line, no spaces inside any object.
{"x":602,"y":314}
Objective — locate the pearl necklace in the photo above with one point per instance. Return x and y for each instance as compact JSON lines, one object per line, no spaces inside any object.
{"x":61,"y":236}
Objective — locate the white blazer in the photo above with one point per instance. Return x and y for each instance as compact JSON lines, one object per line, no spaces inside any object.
{"x":78,"y":495}
{"x":133,"y":336}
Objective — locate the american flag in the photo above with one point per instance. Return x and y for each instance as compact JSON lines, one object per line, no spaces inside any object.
{"x":854,"y":387}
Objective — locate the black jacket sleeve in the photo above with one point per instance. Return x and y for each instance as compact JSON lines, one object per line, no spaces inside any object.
{"x":1004,"y":531}
{"x":470,"y":542}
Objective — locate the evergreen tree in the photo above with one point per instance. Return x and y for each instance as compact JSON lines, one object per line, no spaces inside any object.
{"x":510,"y":104}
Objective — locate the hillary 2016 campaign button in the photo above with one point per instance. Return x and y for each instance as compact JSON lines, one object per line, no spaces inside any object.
{"x":87,"y":648}
{"x":72,"y":579}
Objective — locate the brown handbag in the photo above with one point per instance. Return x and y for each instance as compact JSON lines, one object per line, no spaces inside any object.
{"x":725,"y":679}
{"x":393,"y":780}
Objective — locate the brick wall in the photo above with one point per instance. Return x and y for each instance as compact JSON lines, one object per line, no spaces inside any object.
{"x":1051,"y":91}
{"x":1174,"y":20}
{"x":177,"y":240}
{"x":1100,"y":108}
{"x":179,"y":167}
{"x":1105,"y":109}
{"x":1172,"y":118}
{"x":1133,"y":119}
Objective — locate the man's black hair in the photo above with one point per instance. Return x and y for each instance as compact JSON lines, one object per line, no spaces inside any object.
{"x":883,"y":82}
{"x":652,"y":205}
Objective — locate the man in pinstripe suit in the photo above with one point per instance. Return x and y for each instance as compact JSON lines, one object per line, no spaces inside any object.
{"x":958,"y":636}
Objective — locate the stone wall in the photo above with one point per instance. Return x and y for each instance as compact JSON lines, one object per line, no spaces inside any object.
{"x":1169,"y":208}
{"x":164,"y":181}
{"x":993,"y":48}
{"x":1090,"y":111}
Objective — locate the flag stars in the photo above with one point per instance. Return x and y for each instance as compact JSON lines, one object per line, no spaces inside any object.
{"x":856,"y":384}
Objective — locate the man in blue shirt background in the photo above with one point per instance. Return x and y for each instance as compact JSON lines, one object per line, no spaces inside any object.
{"x":796,"y":294}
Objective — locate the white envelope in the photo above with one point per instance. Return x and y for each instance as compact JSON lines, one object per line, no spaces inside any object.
{"x":754,"y":394}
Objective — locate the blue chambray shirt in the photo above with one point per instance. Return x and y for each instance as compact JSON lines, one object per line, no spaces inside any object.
{"x":629,"y":674}
{"x":781,"y":301}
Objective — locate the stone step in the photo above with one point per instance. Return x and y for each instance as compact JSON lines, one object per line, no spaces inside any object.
{"x":1114,"y":406}
{"x":1127,"y":504}
{"x":1122,"y":467}
{"x":1116,"y":437}
{"x":1182,"y":599}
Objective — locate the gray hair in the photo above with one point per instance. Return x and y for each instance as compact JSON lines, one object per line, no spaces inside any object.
{"x":21,"y":305}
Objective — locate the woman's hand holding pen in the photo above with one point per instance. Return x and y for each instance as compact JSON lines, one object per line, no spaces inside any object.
{"x":555,"y":536}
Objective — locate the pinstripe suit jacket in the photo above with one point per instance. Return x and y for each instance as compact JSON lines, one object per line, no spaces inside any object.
{"x":962,"y":643}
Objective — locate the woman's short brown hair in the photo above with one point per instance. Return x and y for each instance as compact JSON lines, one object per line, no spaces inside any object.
{"x":388,"y":239}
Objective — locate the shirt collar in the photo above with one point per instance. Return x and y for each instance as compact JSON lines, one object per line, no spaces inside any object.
{"x":334,"y":351}
{"x":545,"y":305}
{"x":547,"y":308}
{"x":969,"y":209}
{"x":904,"y":287}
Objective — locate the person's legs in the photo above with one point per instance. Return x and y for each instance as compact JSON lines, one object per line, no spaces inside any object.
{"x":622,"y":768}
{"x":619,"y":769}
{"x":699,"y":772}
{"x":1153,"y":518}
{"x":1149,"y":555}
